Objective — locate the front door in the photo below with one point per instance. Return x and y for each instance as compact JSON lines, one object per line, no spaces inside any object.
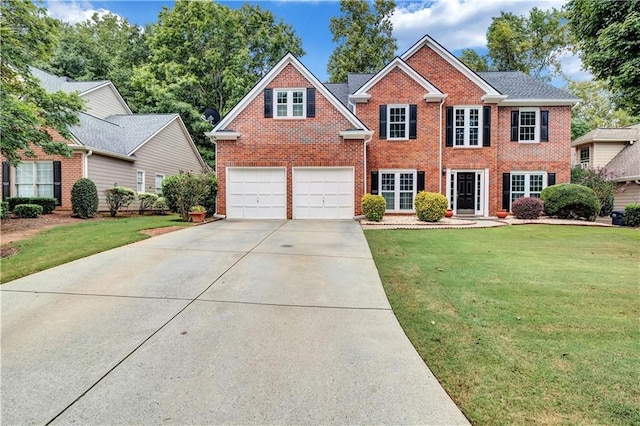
{"x":466,"y":183}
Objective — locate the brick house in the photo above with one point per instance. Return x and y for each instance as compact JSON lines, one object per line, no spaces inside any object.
{"x":296,"y":148}
{"x":111,"y":146}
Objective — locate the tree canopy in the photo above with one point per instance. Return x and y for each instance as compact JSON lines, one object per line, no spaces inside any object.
{"x":607,"y":35}
{"x":364,"y":37}
{"x":28,"y":111}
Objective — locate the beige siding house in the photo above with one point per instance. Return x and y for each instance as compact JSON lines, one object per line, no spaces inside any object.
{"x":111,"y":145}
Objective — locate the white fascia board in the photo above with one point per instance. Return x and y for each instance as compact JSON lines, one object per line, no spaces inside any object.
{"x":399,"y":63}
{"x":356,"y":134}
{"x":493,"y":99}
{"x":538,"y":102}
{"x":360,"y":98}
{"x":223,"y":135}
{"x":434,"y":97}
{"x":455,"y":62}
{"x":264,"y":82}
{"x":113,"y":88}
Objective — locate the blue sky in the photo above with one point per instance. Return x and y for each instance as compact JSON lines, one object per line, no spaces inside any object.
{"x":456,"y":24}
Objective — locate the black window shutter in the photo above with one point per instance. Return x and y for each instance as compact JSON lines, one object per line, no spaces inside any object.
{"x":420,"y":182}
{"x":506,"y":191}
{"x":6,"y":180}
{"x":374,"y":183}
{"x":486,"y":128}
{"x":413,"y":121}
{"x":515,"y":118}
{"x":268,"y":103}
{"x":544,"y":126}
{"x":449,"y":127}
{"x":383,"y":122}
{"x":57,"y":181}
{"x":311,"y":102}
{"x":551,"y":179}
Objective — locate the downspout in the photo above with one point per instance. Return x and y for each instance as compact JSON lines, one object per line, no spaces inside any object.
{"x":88,"y":154}
{"x":440,"y":150}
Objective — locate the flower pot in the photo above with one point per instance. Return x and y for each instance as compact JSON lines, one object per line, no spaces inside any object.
{"x":197,"y":217}
{"x":449,"y":213}
{"x":502,"y":214}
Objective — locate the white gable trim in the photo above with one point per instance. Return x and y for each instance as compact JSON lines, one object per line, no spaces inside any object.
{"x":432,"y":90}
{"x":264,"y":82}
{"x":455,"y":62}
{"x":113,"y":89}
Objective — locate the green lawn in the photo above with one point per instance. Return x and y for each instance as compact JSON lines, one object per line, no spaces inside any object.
{"x":65,"y":243}
{"x":522,"y":324}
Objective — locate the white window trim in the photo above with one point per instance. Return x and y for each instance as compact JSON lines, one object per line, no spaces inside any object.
{"x":536,"y":127}
{"x":527,"y":182}
{"x":34,"y":183}
{"x":406,"y":122}
{"x":397,"y":172}
{"x":467,"y":112}
{"x":143,"y":181}
{"x":159,"y":189}
{"x":290,"y":92}
{"x":582,"y":162}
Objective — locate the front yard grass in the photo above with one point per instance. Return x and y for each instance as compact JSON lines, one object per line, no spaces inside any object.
{"x":62,"y":244}
{"x":522,"y":324}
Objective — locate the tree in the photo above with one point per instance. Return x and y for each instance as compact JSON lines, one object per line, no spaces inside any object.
{"x":28,"y":112}
{"x":365,"y":39}
{"x":203,"y":54}
{"x":597,"y":108}
{"x":607,"y":36}
{"x":532,"y":44}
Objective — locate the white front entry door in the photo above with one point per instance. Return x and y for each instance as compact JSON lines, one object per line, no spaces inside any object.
{"x":256,"y":193}
{"x":323,"y":193}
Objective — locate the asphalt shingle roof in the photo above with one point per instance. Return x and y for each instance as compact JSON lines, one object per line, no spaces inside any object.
{"x":340,"y":91}
{"x":518,"y":85}
{"x":52,"y":83}
{"x":621,"y":134}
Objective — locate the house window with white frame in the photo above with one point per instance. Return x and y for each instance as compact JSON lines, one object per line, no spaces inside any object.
{"x":34,"y":179}
{"x":290,"y":103}
{"x":159,"y":180}
{"x":467,"y":126}
{"x":140,"y":181}
{"x":398,"y":189}
{"x":584,"y":157}
{"x":527,"y":184}
{"x":528,"y":125}
{"x":398,"y":122}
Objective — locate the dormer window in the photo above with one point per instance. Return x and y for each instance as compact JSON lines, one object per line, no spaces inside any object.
{"x":289,"y":103}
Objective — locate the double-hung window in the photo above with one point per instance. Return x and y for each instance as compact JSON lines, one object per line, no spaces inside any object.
{"x":398,"y":189}
{"x":398,"y":123}
{"x":34,"y":179}
{"x":290,"y":103}
{"x":467,"y":126}
{"x":529,"y":122}
{"x":140,"y":181}
{"x":527,"y":184}
{"x":159,"y":180}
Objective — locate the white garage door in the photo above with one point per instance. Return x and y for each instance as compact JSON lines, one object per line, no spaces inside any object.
{"x":256,"y":193}
{"x":323,"y":193}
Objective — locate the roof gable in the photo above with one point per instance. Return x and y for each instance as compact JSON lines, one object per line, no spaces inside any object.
{"x":288,"y":59}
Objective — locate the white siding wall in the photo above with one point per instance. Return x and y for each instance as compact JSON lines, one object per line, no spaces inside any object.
{"x":630,"y":194}
{"x":103,"y":102}
{"x":604,"y":152}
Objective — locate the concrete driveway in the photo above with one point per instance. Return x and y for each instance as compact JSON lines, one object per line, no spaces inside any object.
{"x":233,"y":322}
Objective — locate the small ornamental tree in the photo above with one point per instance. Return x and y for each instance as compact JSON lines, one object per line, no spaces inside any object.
{"x":84,"y":198}
{"x":185,"y":190}
{"x":373,"y":207}
{"x":602,"y":183}
{"x":430,"y":206}
{"x":118,"y":197}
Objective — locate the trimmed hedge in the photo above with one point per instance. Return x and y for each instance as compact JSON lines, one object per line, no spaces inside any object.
{"x":570,"y":201}
{"x":527,"y":207}
{"x":27,"y":211}
{"x":4,"y":210}
{"x":632,"y":214}
{"x":160,"y":206}
{"x":430,"y":206}
{"x":118,"y":197}
{"x":48,"y":204}
{"x":373,"y":207}
{"x":146,"y":201}
{"x":84,"y":198}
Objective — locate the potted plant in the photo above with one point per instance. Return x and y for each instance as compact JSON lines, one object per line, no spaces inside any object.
{"x":449,"y":213}
{"x":502,"y":214}
{"x":197,"y":214}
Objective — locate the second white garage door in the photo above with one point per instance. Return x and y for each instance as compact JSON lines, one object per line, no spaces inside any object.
{"x":323,"y":193}
{"x":256,"y":193}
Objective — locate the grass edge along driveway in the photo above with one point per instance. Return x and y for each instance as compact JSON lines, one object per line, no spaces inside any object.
{"x":522,"y":324}
{"x":65,"y":243}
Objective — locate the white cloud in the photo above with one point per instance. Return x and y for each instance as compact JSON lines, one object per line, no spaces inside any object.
{"x":74,"y":11}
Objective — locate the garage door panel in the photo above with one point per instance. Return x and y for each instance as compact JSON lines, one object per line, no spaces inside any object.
{"x":323,"y":193}
{"x":256,"y":193}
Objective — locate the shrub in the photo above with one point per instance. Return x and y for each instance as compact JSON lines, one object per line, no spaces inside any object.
{"x":209,"y":199}
{"x":84,"y":198}
{"x":527,"y":207}
{"x":28,"y":211}
{"x":4,"y":210}
{"x":185,"y":190}
{"x":632,"y":214}
{"x":118,"y":197}
{"x":160,"y":206}
{"x":48,"y":204}
{"x":602,"y":184}
{"x":373,"y":207}
{"x":430,"y":206}
{"x":570,"y":201}
{"x":146,"y":201}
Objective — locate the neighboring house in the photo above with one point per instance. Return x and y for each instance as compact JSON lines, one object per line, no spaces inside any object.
{"x":617,"y":152}
{"x":296,"y":148}
{"x":111,"y":146}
